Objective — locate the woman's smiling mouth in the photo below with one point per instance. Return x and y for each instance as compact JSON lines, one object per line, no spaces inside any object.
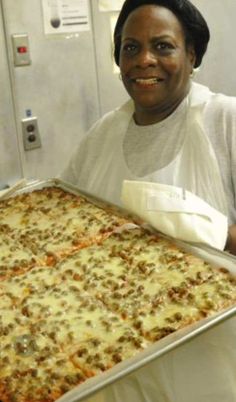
{"x":147,"y":81}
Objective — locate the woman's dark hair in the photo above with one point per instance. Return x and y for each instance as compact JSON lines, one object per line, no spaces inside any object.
{"x":194,"y":25}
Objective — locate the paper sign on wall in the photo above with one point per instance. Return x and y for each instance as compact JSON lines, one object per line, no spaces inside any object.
{"x":110,"y":5}
{"x":65,"y":16}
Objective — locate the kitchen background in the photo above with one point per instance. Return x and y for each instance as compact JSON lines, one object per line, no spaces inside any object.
{"x":71,"y":81}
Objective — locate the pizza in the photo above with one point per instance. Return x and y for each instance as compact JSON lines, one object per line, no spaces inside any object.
{"x":82,"y":290}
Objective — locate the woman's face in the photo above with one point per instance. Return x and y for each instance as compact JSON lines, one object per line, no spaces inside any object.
{"x":154,"y":62}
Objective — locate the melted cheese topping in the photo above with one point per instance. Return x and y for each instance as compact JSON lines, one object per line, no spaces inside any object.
{"x":77,"y":296}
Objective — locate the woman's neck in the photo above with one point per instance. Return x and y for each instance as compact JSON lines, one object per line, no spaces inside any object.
{"x":145,"y":116}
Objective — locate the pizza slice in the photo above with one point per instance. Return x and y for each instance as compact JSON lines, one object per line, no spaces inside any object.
{"x":14,"y":257}
{"x":52,"y":223}
{"x":33,"y":368}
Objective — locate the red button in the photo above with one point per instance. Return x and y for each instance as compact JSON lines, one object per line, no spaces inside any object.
{"x":22,"y":49}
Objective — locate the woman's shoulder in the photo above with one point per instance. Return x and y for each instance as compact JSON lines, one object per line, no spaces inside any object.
{"x":222,"y":108}
{"x":217,"y":101}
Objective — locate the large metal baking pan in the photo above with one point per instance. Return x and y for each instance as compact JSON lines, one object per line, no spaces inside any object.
{"x":91,"y":388}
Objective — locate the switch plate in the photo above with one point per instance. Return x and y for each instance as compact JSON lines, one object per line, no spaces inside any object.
{"x":31,"y":137}
{"x":21,"y":53}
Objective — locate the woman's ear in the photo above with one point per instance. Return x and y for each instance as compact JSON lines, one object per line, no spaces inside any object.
{"x":192,"y":57}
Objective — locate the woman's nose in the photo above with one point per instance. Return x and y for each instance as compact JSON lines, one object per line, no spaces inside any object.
{"x":146,"y":58}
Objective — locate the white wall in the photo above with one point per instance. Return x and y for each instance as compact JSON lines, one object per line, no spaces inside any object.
{"x":111,"y":91}
{"x":219,"y":64}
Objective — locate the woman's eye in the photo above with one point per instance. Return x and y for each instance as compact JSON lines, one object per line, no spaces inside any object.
{"x":164,"y":46}
{"x":129,"y":48}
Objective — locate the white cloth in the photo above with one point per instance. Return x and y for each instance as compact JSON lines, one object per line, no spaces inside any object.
{"x":204,"y":370}
{"x":176,"y":212}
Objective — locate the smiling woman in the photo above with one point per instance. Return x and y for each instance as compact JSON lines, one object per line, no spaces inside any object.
{"x":171,"y":123}
{"x":155,"y":62}
{"x":172,"y":131}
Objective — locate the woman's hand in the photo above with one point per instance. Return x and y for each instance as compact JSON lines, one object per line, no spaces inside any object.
{"x":231,"y":240}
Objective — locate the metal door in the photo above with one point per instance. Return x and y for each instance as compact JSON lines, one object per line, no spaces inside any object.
{"x":10,"y":161}
{"x":59,"y":87}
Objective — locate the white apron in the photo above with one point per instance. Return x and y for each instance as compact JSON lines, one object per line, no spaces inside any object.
{"x":203,"y":370}
{"x":195,"y":168}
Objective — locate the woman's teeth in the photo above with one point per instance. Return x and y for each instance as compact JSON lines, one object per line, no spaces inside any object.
{"x":147,"y":81}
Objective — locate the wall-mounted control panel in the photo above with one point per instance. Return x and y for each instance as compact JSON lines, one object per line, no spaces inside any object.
{"x":31,"y":137}
{"x":21,"y":53}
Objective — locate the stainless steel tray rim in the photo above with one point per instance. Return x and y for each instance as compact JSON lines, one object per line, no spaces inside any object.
{"x":161,"y":347}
